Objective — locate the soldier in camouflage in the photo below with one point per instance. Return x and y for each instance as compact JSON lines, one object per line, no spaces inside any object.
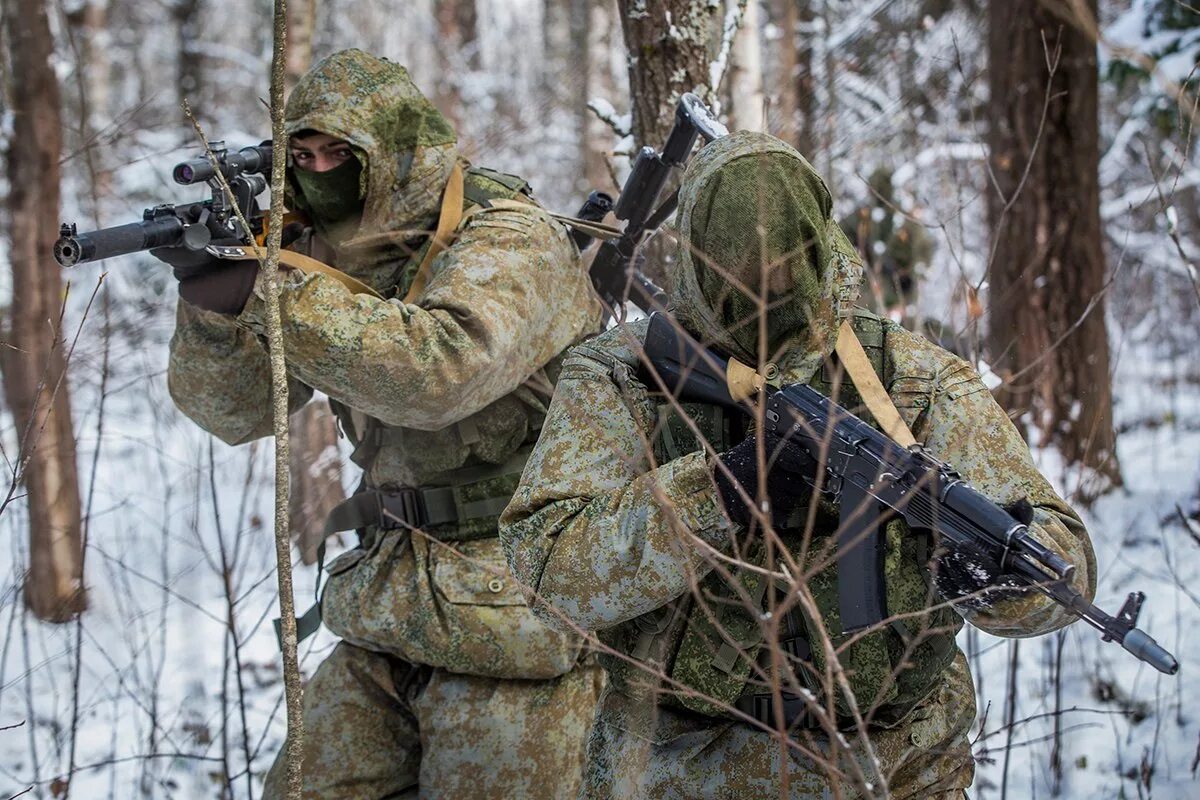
{"x":629,"y":521}
{"x":444,"y":684}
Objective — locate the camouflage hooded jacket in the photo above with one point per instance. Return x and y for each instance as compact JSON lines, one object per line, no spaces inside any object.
{"x":504,"y":300}
{"x":607,"y":534}
{"x":457,"y":378}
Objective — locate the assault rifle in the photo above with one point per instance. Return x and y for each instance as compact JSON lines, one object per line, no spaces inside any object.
{"x":192,"y":225}
{"x":874,"y":478}
{"x":613,"y":272}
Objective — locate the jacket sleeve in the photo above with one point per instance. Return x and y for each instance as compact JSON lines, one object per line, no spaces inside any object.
{"x":220,"y":376}
{"x":963,"y":425}
{"x":593,"y":531}
{"x":503,"y":300}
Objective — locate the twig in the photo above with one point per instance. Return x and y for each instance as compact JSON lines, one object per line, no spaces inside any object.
{"x":279,"y":396}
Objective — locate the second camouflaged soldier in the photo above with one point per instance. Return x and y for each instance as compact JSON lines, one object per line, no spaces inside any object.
{"x":444,"y":684}
{"x":628,"y":522}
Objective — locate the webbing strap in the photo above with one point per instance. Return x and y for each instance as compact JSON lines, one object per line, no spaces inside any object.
{"x":429,"y":505}
{"x":448,"y":220}
{"x":309,"y":622}
{"x":296,"y":261}
{"x":850,"y":352}
{"x":595,"y":229}
{"x":309,"y":265}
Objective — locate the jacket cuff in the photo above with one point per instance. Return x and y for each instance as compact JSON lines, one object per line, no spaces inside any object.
{"x":688,"y":485}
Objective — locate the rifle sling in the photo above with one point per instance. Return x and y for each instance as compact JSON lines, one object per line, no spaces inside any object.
{"x":850,"y":352}
{"x":862,"y":593}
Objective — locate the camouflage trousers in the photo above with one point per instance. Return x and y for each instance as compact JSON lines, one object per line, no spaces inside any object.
{"x":376,"y":727}
{"x":640,"y":751}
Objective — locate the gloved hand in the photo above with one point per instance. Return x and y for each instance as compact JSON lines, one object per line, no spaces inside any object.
{"x":186,"y":263}
{"x":787,"y":489}
{"x":208,"y":282}
{"x":972,"y":578}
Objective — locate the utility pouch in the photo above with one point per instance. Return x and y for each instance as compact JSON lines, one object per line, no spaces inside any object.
{"x":448,"y":604}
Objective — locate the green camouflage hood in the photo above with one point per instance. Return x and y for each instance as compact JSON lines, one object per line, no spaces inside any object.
{"x":407,"y":148}
{"x":755,"y":221}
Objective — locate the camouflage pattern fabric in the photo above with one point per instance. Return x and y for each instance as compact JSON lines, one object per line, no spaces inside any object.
{"x":608,"y":537}
{"x":377,"y":727}
{"x":458,"y":380}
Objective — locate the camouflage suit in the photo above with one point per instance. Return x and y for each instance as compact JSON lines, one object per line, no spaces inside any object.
{"x":444,"y":685}
{"x":627,"y":537}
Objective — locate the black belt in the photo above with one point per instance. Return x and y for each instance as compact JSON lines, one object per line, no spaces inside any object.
{"x":431,"y":506}
{"x":763,"y":706}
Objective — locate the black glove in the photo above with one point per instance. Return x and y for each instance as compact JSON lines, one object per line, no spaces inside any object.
{"x":223,"y":287}
{"x":787,"y":488}
{"x":209,"y":282}
{"x":970,"y":577}
{"x":187,"y":263}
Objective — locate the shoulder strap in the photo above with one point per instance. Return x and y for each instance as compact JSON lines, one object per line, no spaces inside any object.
{"x":879,"y":403}
{"x":448,"y":220}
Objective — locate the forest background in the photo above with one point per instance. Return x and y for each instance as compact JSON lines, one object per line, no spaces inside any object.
{"x":1020,"y":175}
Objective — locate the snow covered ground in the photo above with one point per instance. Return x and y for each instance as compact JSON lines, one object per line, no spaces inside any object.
{"x":164,"y":704}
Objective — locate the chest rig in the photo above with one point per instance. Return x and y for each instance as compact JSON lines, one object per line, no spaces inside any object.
{"x":710,"y":644}
{"x":469,"y":503}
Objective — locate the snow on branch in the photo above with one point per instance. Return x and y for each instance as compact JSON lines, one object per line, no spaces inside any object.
{"x":621,"y":124}
{"x":720,"y":64}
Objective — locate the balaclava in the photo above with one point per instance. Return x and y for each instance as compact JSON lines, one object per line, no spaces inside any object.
{"x":404,"y":149}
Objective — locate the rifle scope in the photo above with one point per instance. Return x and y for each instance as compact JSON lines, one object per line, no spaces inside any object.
{"x":253,"y":159}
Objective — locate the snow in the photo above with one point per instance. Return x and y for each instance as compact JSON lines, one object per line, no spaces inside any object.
{"x":157,"y":680}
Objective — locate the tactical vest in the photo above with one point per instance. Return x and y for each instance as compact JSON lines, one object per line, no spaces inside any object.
{"x":707,"y":642}
{"x":469,"y":505}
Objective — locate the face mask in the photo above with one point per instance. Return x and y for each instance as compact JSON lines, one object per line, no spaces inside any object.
{"x":332,"y":198}
{"x":767,"y":213}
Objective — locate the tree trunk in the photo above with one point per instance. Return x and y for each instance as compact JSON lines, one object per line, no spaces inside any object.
{"x":781,"y":119}
{"x":669,"y":44}
{"x":1047,"y":332}
{"x":189,"y":59}
{"x":316,"y":469}
{"x":457,"y":54}
{"x":91,"y":44}
{"x":301,"y":25}
{"x":315,"y":463}
{"x":747,"y":99}
{"x":33,"y":363}
{"x":804,"y":84}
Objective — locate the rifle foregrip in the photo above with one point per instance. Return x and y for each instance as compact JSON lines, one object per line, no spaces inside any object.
{"x":1144,"y":648}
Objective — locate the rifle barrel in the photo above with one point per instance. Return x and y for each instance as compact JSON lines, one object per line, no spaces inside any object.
{"x":77,"y":248}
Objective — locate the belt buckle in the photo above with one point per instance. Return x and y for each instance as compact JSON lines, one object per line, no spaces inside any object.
{"x":402,"y":508}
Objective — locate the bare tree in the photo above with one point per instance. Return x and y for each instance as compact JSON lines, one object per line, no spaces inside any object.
{"x":1047,"y":331}
{"x":31,"y":354}
{"x":670,"y":47}
{"x":316,"y":468}
{"x":189,"y":59}
{"x":301,"y":25}
{"x":746,"y":92}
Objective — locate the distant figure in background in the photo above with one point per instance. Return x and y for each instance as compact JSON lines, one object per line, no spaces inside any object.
{"x":444,"y":685}
{"x":896,"y":249}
